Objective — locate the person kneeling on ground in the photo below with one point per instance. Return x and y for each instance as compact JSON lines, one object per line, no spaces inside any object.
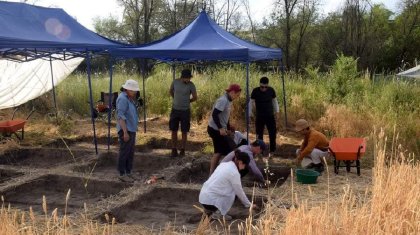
{"x":239,"y":138}
{"x":218,"y":193}
{"x":313,"y":148}
{"x":251,"y":150}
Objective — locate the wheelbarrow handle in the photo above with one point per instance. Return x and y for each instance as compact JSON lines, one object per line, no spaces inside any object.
{"x":14,"y":112}
{"x":30,"y":113}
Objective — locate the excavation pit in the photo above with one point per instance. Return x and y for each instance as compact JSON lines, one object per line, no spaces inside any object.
{"x":43,"y":157}
{"x":55,"y":189}
{"x":6,"y":175}
{"x":143,"y":165}
{"x":174,"y":206}
{"x":198,"y":173}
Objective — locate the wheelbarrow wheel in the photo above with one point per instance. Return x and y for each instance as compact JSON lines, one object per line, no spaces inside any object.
{"x":348,"y":164}
{"x":336,"y":165}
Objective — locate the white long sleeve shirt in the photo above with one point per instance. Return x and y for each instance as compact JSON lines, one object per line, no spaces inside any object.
{"x":222,"y":187}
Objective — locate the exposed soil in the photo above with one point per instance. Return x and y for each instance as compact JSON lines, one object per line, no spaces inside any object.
{"x":43,"y":157}
{"x":6,"y":175}
{"x":198,"y":172}
{"x":42,"y":164}
{"x":170,"y":205}
{"x":55,"y":189}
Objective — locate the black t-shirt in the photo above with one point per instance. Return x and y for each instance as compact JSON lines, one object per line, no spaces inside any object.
{"x":264,"y":101}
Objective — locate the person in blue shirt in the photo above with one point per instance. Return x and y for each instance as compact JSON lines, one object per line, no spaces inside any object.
{"x":127,"y":121}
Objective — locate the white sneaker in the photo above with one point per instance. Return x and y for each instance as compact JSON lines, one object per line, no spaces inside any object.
{"x":218,"y":216}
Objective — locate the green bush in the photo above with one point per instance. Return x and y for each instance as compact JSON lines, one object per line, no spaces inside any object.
{"x":383,"y":102}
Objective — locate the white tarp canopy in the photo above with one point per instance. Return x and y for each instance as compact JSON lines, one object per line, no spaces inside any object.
{"x":24,"y":81}
{"x":412,"y":73}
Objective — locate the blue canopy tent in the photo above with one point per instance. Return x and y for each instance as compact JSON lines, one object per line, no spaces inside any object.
{"x":35,"y":32}
{"x":29,"y":32}
{"x":203,"y":40}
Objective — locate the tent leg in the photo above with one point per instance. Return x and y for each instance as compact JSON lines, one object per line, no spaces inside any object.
{"x":247,"y":102}
{"x":111,"y":62}
{"x":53,"y":90}
{"x":91,"y":103}
{"x":284,"y":94}
{"x":144,"y":101}
{"x":173,"y":71}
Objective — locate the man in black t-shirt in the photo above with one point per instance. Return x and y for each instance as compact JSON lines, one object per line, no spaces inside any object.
{"x":264,"y":100}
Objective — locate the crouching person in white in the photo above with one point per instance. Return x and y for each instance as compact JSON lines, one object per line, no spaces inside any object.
{"x":218,"y":192}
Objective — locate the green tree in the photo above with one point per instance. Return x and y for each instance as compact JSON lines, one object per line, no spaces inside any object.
{"x":405,"y":39}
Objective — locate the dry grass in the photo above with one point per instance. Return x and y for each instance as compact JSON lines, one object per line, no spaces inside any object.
{"x":384,"y":200}
{"x":390,"y":206}
{"x":343,"y":122}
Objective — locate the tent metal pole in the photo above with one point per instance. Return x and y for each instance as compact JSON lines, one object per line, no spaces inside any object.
{"x":91,"y":102}
{"x":247,"y":102}
{"x":111,"y":98}
{"x":53,"y":90}
{"x":173,"y":71}
{"x":284,"y":93}
{"x":144,"y":100}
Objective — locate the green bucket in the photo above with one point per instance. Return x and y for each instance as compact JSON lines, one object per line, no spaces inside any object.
{"x":306,"y":176}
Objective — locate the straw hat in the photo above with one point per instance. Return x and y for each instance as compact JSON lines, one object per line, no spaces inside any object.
{"x":301,"y":124}
{"x":131,"y":85}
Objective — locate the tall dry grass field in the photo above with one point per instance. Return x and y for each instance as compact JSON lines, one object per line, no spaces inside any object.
{"x":390,"y":206}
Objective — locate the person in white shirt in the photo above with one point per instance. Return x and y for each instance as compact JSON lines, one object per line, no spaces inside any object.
{"x":218,"y":193}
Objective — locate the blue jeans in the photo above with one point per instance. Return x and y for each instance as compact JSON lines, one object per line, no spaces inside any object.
{"x":126,"y":153}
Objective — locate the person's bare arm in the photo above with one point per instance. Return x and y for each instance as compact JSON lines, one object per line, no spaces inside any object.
{"x":171,"y":90}
{"x":194,"y":96}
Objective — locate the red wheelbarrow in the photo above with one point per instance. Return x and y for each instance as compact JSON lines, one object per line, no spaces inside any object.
{"x":348,"y":150}
{"x":11,"y":127}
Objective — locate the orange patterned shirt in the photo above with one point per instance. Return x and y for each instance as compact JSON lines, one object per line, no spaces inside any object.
{"x":314,"y":139}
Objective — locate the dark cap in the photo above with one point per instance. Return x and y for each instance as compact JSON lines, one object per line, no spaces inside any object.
{"x":234,"y":87}
{"x":186,"y":73}
{"x":260,"y":144}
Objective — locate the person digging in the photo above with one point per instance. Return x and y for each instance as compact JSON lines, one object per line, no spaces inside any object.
{"x":313,"y":148}
{"x":218,"y":193}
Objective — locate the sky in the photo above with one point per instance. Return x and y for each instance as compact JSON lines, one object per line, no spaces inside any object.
{"x":86,"y":10}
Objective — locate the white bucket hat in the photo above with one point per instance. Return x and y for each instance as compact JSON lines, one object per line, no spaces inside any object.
{"x":131,"y":85}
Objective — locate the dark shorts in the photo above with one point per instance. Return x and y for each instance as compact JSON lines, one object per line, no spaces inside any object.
{"x":210,"y":208}
{"x":221,"y":144}
{"x":180,"y":116}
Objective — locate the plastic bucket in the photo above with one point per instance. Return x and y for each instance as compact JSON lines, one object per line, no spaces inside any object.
{"x":307,"y":176}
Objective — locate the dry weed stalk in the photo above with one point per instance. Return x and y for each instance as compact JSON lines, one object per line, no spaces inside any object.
{"x":392,"y":208}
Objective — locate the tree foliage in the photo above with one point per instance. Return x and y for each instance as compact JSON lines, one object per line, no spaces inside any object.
{"x":379,"y":39}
